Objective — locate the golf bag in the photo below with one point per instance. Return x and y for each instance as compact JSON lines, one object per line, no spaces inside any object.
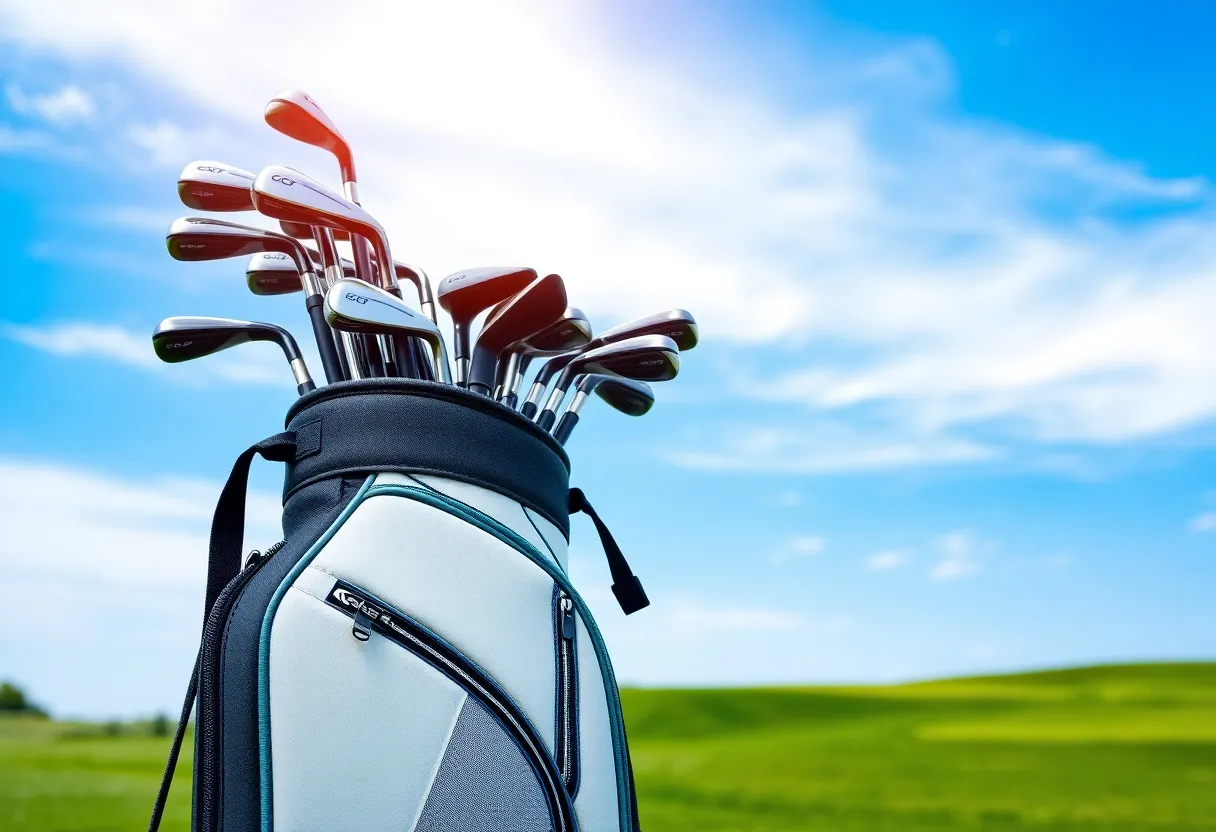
{"x":412,"y":656}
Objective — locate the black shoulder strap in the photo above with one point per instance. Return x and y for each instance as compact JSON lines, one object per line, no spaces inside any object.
{"x":625,"y":585}
{"x":223,"y":564}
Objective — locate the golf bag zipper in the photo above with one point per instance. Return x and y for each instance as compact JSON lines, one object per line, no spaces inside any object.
{"x":627,"y":790}
{"x":373,"y":616}
{"x":210,"y":711}
{"x":566,"y":742}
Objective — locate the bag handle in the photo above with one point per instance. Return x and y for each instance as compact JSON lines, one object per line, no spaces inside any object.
{"x":625,"y":585}
{"x":223,"y":564}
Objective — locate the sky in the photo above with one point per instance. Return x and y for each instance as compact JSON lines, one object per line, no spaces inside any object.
{"x":954,"y":406}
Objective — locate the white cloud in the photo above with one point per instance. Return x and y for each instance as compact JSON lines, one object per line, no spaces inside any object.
{"x":958,"y":556}
{"x":64,"y":107}
{"x":63,"y":522}
{"x":797,"y":548}
{"x":888,"y":559}
{"x":1204,"y":522}
{"x":973,"y":274}
{"x":20,"y":141}
{"x":77,"y":339}
{"x":819,"y":448}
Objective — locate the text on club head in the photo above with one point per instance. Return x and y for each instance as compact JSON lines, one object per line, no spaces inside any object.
{"x":283,"y":180}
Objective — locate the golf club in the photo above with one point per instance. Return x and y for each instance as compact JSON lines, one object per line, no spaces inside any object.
{"x":541,"y":303}
{"x":355,"y":306}
{"x":633,"y":398}
{"x":571,"y":331}
{"x":465,"y":295}
{"x":643,"y":358}
{"x":215,"y":186}
{"x":676,"y":324}
{"x":203,"y":238}
{"x":188,"y":337}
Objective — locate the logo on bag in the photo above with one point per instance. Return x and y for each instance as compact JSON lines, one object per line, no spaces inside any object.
{"x":347,"y":598}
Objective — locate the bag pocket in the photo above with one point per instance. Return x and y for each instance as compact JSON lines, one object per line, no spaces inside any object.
{"x":377,"y":722}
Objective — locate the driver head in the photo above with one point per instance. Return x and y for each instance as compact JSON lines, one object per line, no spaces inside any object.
{"x":215,"y":186}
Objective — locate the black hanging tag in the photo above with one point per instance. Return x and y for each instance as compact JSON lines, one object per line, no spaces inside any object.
{"x":625,"y":585}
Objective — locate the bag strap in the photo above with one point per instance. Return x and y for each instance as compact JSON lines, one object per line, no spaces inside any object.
{"x":223,"y":564}
{"x":625,"y":585}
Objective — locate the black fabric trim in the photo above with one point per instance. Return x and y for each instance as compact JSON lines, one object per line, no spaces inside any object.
{"x":418,"y":427}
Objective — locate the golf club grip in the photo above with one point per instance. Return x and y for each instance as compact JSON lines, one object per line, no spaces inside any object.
{"x":546,"y":420}
{"x":325,"y":339}
{"x":565,"y":426}
{"x":528,"y":410}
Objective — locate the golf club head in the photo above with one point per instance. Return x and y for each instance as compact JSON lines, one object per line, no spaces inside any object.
{"x":185,"y":338}
{"x":534,"y":308}
{"x":677,"y":324}
{"x":572,"y":331}
{"x":355,"y":306}
{"x":643,"y":358}
{"x":633,"y":398}
{"x":294,"y":114}
{"x":466,"y":294}
{"x":214,"y":186}
{"x":285,"y":194}
{"x":272,"y":273}
{"x":194,"y":239}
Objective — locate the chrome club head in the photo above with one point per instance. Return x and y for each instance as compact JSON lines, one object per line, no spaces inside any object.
{"x":215,"y":186}
{"x":643,"y":358}
{"x":285,"y":194}
{"x":534,"y":308}
{"x":204,"y":238}
{"x":466,"y":294}
{"x":569,"y":332}
{"x":188,"y":337}
{"x":677,"y":324}
{"x":633,"y":398}
{"x":272,"y":273}
{"x":355,"y":306}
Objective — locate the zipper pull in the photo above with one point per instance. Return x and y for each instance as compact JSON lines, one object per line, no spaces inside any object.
{"x":567,"y":618}
{"x":362,"y":628}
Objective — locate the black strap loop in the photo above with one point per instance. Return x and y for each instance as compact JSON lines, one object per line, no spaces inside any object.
{"x":625,"y":585}
{"x":223,"y":564}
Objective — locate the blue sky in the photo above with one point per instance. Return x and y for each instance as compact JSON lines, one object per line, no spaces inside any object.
{"x":954,"y":265}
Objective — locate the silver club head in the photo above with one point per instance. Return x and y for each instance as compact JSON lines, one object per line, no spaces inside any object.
{"x":569,"y":332}
{"x":643,"y":358}
{"x":185,"y":338}
{"x":215,"y":186}
{"x":272,"y":273}
{"x":633,"y":398}
{"x":355,"y":306}
{"x":285,"y":194}
{"x":677,"y":324}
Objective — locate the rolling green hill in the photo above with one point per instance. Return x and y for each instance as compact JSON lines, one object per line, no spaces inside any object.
{"x":1107,"y":748}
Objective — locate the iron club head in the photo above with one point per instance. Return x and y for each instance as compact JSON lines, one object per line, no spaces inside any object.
{"x":188,"y":337}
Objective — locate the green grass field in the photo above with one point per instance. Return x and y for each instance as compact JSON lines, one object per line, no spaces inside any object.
{"x":1111,"y":748}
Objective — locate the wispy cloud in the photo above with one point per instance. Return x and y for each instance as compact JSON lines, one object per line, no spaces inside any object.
{"x":1204,"y":522}
{"x":109,"y":342}
{"x":112,"y":530}
{"x":64,"y":107}
{"x":888,"y":559}
{"x":797,"y":548}
{"x":820,"y":447}
{"x":959,"y":556}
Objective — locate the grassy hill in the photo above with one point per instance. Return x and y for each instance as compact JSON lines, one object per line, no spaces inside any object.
{"x":1107,"y":748}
